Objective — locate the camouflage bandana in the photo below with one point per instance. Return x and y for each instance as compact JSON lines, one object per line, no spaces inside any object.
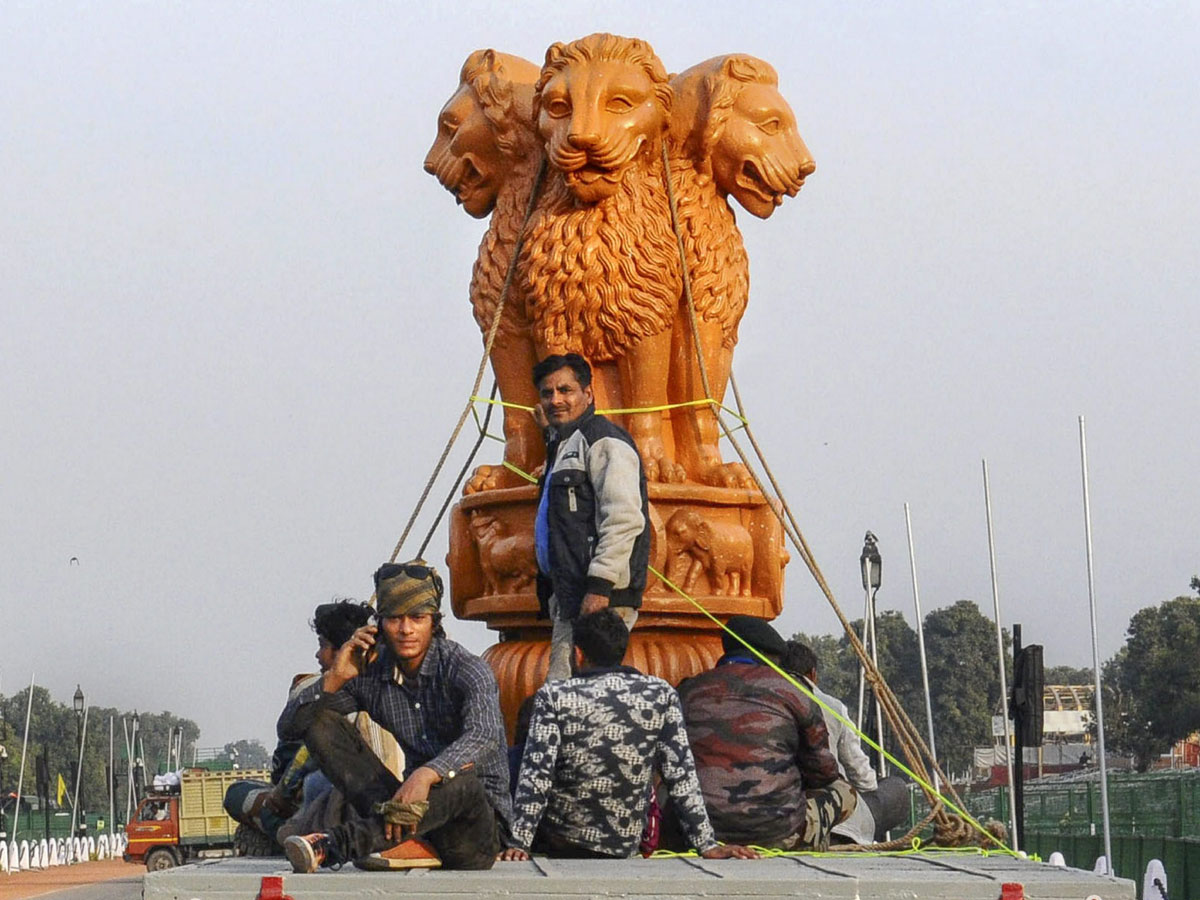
{"x":408,"y":589}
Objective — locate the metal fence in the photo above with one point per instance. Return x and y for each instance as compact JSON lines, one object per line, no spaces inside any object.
{"x":1153,"y":805}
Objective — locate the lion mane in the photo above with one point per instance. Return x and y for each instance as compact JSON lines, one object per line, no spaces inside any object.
{"x":602,"y":276}
{"x":716,"y":256}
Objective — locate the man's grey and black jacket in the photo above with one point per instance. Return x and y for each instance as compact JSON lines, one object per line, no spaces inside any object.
{"x":598,"y":516}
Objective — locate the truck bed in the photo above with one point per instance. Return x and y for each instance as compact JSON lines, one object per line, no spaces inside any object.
{"x":935,"y":875}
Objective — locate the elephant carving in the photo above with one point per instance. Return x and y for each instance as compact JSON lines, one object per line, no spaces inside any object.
{"x":722,"y":550}
{"x":506,"y":560}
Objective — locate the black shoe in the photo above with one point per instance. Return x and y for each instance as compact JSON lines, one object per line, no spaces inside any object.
{"x":309,"y":852}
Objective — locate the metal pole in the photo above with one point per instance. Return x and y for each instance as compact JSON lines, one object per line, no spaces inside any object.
{"x":1087,"y":527}
{"x":1012,"y":807}
{"x":112,"y":777}
{"x":912,"y":561}
{"x":79,"y":772}
{"x":128,"y":770}
{"x":865,"y":637}
{"x":874,"y":696}
{"x":1019,"y":751}
{"x":24,"y":749}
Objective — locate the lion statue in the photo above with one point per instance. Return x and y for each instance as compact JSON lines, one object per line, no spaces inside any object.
{"x":732,"y":134}
{"x":600,"y":265}
{"x":486,"y":153}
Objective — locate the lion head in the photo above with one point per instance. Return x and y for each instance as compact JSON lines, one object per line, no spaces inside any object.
{"x":731,"y":118}
{"x":599,"y":102}
{"x":480,"y":128}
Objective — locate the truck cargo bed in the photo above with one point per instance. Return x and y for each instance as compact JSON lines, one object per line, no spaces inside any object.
{"x":941,"y":875}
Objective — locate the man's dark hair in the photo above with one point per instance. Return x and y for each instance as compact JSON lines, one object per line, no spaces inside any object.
{"x":602,"y":637}
{"x":798,"y":659}
{"x":337,"y":621}
{"x":572,"y":361}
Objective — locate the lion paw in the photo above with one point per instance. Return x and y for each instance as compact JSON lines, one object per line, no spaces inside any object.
{"x":492,"y":478}
{"x":663,"y":471}
{"x":729,"y":475}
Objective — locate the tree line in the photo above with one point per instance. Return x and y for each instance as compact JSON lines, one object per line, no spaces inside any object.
{"x":1151,"y":686}
{"x":54,"y":728}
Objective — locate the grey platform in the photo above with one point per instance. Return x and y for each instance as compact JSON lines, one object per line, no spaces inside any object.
{"x":945,"y":876}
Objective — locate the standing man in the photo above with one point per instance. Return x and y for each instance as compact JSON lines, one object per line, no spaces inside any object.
{"x":595,"y":742}
{"x":592,"y":531}
{"x":761,"y":748}
{"x":442,"y":705}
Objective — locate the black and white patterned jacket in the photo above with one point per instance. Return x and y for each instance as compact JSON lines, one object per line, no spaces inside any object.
{"x":594,"y":743}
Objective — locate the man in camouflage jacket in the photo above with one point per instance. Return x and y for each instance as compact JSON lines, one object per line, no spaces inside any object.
{"x":761,"y":748}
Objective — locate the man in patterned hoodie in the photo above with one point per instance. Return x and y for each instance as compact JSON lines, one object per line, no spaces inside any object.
{"x":762,"y":749}
{"x":594,"y":743}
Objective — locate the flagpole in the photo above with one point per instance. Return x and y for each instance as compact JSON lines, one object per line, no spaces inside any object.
{"x":912,"y":561}
{"x":24,"y":749}
{"x":112,"y":778}
{"x":1087,"y":528}
{"x":1008,"y":752}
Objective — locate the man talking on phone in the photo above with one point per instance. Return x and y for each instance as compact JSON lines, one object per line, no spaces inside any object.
{"x":442,"y":705}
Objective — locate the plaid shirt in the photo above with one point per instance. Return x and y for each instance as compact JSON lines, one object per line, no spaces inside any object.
{"x":447,"y":718}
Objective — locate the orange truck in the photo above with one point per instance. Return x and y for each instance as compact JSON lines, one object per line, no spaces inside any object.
{"x":177,"y":826}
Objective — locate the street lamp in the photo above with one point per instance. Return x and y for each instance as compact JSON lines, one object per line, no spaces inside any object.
{"x":79,"y":701}
{"x":871,"y":565}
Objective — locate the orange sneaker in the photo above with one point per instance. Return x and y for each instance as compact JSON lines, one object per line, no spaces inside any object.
{"x":411,"y":854}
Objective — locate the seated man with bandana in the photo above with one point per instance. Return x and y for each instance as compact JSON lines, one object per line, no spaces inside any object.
{"x":442,"y":705}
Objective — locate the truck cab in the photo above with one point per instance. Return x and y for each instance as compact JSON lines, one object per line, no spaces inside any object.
{"x":153,"y":833}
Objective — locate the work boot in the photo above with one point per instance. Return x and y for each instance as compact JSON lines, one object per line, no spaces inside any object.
{"x":309,"y":852}
{"x":411,"y":854}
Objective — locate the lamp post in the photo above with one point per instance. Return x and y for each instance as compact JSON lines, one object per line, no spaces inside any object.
{"x":871,"y":564}
{"x":135,"y":763}
{"x":79,"y":705}
{"x":3,"y":815}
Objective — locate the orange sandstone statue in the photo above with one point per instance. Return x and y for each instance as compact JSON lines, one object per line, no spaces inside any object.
{"x":599,"y":272}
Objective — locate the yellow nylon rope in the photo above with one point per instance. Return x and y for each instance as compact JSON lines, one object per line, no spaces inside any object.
{"x":803,"y":688}
{"x":625,"y":411}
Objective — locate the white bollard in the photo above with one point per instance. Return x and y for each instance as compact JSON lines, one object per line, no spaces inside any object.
{"x":1101,"y":867}
{"x":44,"y":849}
{"x":1154,"y":885}
{"x":1057,"y":859}
{"x":23,"y":856}
{"x":35,"y":856}
{"x":14,"y":857}
{"x":102,"y":847}
{"x":52,"y":852}
{"x":3,"y":857}
{"x":90,"y":850}
{"x":60,"y":852}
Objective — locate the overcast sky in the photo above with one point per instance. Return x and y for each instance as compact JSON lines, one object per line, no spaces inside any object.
{"x":234,"y":329}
